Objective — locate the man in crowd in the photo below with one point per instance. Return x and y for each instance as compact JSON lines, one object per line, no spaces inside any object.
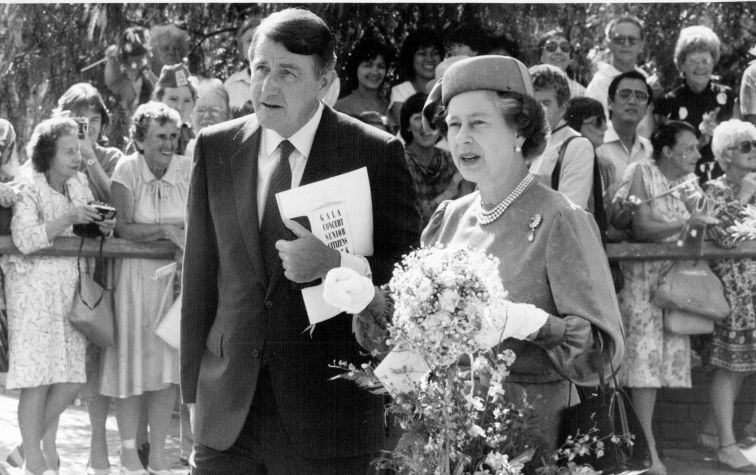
{"x":624,"y":36}
{"x":263,"y":402}
{"x":573,"y":175}
{"x":629,"y":96}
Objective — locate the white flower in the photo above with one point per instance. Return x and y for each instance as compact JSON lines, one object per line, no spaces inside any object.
{"x":476,"y":431}
{"x":721,"y":98}
{"x":682,"y":113}
{"x":347,"y":290}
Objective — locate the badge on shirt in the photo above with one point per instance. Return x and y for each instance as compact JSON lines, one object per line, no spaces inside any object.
{"x":682,"y":113}
{"x":721,"y":98}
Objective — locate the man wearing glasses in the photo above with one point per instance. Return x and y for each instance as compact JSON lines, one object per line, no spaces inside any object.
{"x":624,"y":37}
{"x":629,"y":96}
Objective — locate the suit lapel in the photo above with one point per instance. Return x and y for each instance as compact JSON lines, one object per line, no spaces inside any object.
{"x":243,"y":164}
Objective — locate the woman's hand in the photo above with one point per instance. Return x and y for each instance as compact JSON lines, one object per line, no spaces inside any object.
{"x":175,"y":234}
{"x":709,"y":122}
{"x":82,"y":214}
{"x":747,"y":187}
{"x":107,"y":226}
{"x":111,"y":52}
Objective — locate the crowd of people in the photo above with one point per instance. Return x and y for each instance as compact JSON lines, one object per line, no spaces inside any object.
{"x":466,"y":160}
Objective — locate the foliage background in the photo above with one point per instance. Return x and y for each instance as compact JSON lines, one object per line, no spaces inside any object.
{"x":44,"y":46}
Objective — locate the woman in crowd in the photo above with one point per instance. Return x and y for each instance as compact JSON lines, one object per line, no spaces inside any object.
{"x":586,"y":116}
{"x":211,"y":108}
{"x":433,"y":172}
{"x":47,"y":355}
{"x":698,"y":101}
{"x":485,"y":106}
{"x":169,"y":45}
{"x":420,"y":54}
{"x":176,"y":89}
{"x":82,"y":100}
{"x":149,"y":191}
{"x":554,"y":48}
{"x":733,"y":348}
{"x":364,"y":76}
{"x":655,"y":358}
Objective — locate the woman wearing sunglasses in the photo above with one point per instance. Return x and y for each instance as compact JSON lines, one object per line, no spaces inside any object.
{"x":698,"y":100}
{"x":554,"y":48}
{"x":733,"y":345}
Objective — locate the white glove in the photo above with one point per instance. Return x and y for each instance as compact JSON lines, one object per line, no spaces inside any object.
{"x":347,"y":290}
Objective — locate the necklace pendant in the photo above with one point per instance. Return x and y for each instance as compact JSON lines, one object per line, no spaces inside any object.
{"x":531,"y":235}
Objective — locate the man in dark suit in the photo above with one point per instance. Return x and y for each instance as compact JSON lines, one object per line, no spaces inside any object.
{"x":259,"y":384}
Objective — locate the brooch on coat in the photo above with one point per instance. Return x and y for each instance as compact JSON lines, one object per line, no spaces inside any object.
{"x":533,"y":224}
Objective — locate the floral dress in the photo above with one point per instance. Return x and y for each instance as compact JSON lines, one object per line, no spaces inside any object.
{"x":733,"y":345}
{"x":653,"y":357}
{"x":44,"y":347}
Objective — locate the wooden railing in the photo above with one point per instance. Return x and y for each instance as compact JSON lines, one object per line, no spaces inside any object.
{"x":626,"y":251}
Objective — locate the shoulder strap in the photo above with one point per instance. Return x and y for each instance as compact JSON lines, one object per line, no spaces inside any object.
{"x":558,"y":165}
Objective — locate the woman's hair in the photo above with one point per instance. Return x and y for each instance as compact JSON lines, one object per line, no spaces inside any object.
{"x":580,"y":109}
{"x":364,"y":50}
{"x":146,"y":114}
{"x":169,"y":32}
{"x":415,"y":41}
{"x":547,"y":76}
{"x":474,"y":36}
{"x":521,"y":112}
{"x":413,"y":105}
{"x":503,"y":42}
{"x":666,"y":135}
{"x":693,"y":39}
{"x":728,"y":134}
{"x":83,"y":96}
{"x":44,"y":140}
{"x":551,"y":34}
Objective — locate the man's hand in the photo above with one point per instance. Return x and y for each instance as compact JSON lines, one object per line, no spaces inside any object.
{"x":305,"y":258}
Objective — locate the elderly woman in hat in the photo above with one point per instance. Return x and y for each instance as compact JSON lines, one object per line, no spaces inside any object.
{"x":549,"y":250}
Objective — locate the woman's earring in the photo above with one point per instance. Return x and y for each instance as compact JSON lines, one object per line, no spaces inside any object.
{"x":518,"y":148}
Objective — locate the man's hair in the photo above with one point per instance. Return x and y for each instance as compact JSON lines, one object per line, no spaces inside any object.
{"x":623,"y":19}
{"x":301,"y":32}
{"x":629,"y":75}
{"x":547,"y":76}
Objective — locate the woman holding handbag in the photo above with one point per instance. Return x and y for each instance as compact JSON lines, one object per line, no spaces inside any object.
{"x":733,"y":346}
{"x":46,"y":353}
{"x":654,"y":357}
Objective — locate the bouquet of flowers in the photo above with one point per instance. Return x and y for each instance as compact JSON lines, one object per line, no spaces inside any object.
{"x":744,"y":229}
{"x":450,"y":310}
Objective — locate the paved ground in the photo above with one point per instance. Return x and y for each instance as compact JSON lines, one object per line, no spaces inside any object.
{"x":73,"y":439}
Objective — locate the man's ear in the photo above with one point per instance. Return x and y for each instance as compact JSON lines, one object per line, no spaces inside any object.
{"x":325,"y":83}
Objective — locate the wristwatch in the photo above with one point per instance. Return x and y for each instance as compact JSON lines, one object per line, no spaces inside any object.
{"x":90,"y":162}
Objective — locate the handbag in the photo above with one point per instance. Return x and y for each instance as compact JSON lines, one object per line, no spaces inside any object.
{"x":686,"y":323}
{"x":608,"y":414}
{"x":691,"y":287}
{"x":168,"y":326}
{"x":92,"y":313}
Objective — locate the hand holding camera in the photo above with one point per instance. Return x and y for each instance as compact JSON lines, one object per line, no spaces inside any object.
{"x":93,"y":220}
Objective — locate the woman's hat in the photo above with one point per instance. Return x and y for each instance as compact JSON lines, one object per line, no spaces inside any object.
{"x":490,"y":72}
{"x":176,"y":75}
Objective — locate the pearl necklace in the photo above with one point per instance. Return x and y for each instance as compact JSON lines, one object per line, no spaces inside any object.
{"x":491,"y":215}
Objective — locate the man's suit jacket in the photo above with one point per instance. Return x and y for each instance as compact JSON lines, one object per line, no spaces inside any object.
{"x":234,"y":318}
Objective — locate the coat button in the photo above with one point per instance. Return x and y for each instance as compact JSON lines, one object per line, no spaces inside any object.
{"x":268,"y":304}
{"x":255,"y":353}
